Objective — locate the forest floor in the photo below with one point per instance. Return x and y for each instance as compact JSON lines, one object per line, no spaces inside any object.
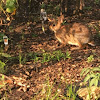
{"x":29,"y":74}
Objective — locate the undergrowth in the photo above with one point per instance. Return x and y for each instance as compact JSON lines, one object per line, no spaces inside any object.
{"x":41,"y":57}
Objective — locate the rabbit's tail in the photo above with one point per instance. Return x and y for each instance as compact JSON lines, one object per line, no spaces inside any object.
{"x":92,"y":43}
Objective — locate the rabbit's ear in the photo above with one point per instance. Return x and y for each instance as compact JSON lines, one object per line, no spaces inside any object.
{"x":60,"y":19}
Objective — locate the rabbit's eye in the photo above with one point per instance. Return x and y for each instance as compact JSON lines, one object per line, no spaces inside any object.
{"x":54,"y":25}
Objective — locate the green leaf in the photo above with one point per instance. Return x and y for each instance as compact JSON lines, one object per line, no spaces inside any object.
{"x":96,"y":69}
{"x":10,"y":10}
{"x":2,"y":64}
{"x":92,"y":82}
{"x":92,"y":75}
{"x":68,"y":55}
{"x":90,"y":58}
{"x":10,"y":6}
{"x":10,"y":3}
{"x":81,"y":74}
{"x":96,"y":82}
{"x":87,"y":78}
{"x":85,"y":71}
{"x":5,"y":55}
{"x":3,"y":77}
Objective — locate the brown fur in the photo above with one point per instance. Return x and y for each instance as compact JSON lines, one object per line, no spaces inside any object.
{"x":75,"y":34}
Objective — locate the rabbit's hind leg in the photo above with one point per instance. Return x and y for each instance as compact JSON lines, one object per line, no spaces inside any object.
{"x":80,"y":46}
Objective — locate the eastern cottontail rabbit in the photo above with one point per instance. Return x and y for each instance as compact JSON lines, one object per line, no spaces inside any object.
{"x":75,"y":34}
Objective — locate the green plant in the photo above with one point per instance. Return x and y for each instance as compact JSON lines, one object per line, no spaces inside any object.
{"x":90,"y":58}
{"x":1,"y":37}
{"x":22,"y":35}
{"x":2,"y":80}
{"x":88,"y":8}
{"x":48,"y":92}
{"x":11,"y":29}
{"x":42,"y":57}
{"x":4,"y":55}
{"x":8,"y":8}
{"x":92,"y":75}
{"x":67,"y":55}
{"x":3,"y":83}
{"x":11,"y":5}
{"x":2,"y":64}
{"x":71,"y":92}
{"x":46,"y":57}
{"x":97,"y":30}
{"x":55,"y":55}
{"x":22,"y":58}
{"x":58,"y":55}
{"x":43,"y":5}
{"x":51,"y":7}
{"x":20,"y":55}
{"x":97,"y":1}
{"x":36,"y":57}
{"x":34,"y":35}
{"x":57,"y":9}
